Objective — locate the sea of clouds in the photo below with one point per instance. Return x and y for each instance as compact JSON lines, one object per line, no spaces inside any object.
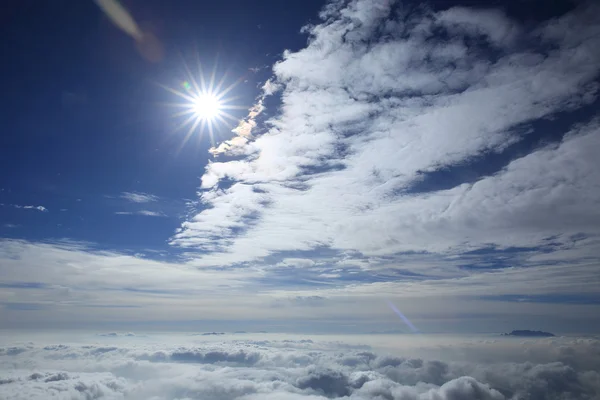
{"x":269,"y":366}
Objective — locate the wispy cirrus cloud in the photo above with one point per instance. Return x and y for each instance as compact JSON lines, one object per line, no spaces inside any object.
{"x":145,"y":200}
{"x":138,"y":197}
{"x":26,"y":207}
{"x":146,"y":213}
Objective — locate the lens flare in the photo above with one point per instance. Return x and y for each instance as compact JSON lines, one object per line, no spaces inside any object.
{"x":402,"y":317}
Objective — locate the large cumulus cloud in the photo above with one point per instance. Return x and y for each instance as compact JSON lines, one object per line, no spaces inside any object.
{"x":385,"y":94}
{"x":292,"y":369}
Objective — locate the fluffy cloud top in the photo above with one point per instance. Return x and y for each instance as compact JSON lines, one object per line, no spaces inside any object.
{"x":273,"y":368}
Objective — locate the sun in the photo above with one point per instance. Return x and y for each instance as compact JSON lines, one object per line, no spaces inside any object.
{"x":205,"y":104}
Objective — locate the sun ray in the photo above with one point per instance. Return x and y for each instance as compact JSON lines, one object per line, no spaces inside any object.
{"x":206,"y":103}
{"x":231,"y":107}
{"x":211,"y":135}
{"x":184,"y":113}
{"x":217,"y":88}
{"x":183,"y":124}
{"x":221,"y":119}
{"x":177,"y":92}
{"x":230,"y":87}
{"x":188,"y":135}
{"x":229,"y":116}
{"x":191,"y":77}
{"x":213,"y":75}
{"x":203,"y":86}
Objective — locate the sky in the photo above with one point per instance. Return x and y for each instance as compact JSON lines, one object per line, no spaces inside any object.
{"x":383,"y":166}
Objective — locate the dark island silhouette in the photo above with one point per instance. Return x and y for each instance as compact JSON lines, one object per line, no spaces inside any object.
{"x":528,"y":333}
{"x":208,"y":334}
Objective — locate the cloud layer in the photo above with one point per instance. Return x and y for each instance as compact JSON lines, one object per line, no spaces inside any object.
{"x":293,"y":368}
{"x":85,"y":287}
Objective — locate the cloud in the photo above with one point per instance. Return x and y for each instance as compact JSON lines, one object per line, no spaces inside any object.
{"x":297,"y":262}
{"x":146,"y":213}
{"x":330,"y":383}
{"x":302,"y":301}
{"x":151,"y":213}
{"x":152,"y":368}
{"x":137,"y":197}
{"x":38,"y":208}
{"x":83,"y":286}
{"x":117,"y":334}
{"x":140,"y":198}
{"x":382,"y":100}
{"x":238,"y":144}
{"x":494,"y":25}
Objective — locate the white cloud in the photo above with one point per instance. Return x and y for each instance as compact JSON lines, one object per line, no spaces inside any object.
{"x":173,"y":367}
{"x":137,"y":197}
{"x":27,"y":207}
{"x":297,"y":262}
{"x":493,"y":24}
{"x":146,"y":213}
{"x":243,"y":132}
{"x":151,"y":213}
{"x":374,"y":102}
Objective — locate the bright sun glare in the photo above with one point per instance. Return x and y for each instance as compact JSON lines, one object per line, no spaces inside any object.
{"x":205,"y":104}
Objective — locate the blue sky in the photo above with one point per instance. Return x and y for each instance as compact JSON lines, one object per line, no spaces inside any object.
{"x":87,"y":117}
{"x":440,"y":156}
